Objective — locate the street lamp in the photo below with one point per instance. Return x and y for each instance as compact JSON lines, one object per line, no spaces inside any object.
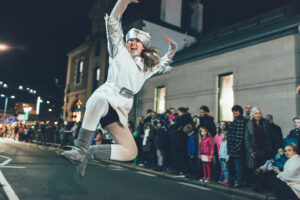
{"x":6,"y":102}
{"x":4,"y":47}
{"x":20,"y":87}
{"x":5,"y":85}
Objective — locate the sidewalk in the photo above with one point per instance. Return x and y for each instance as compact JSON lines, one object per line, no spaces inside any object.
{"x":246,"y":192}
{"x":243,"y":192}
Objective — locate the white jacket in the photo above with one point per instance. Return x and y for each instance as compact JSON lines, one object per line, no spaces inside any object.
{"x":126,"y":71}
{"x":291,"y":174}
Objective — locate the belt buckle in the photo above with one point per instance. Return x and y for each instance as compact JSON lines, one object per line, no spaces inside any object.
{"x":126,"y":92}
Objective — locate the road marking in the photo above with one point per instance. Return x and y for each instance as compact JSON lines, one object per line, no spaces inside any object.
{"x":94,"y":163}
{"x":7,"y":188}
{"x":5,"y":162}
{"x":13,"y":167}
{"x":195,"y":186}
{"x":146,"y":174}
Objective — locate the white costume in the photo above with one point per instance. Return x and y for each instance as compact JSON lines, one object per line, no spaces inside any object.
{"x":291,"y":174}
{"x":125,"y":71}
{"x":126,"y":76}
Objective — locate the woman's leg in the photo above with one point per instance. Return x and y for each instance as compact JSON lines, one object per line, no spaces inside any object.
{"x":96,"y":108}
{"x":124,"y":150}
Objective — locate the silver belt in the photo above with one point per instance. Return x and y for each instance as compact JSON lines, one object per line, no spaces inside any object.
{"x":126,"y":93}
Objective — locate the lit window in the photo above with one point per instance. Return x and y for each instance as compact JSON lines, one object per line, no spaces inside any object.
{"x":159,"y":99}
{"x":98,"y":74}
{"x":226,"y":97}
{"x":79,"y":71}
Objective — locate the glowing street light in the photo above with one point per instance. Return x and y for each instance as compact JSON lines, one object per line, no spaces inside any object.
{"x":20,"y":87}
{"x":4,"y":47}
{"x":13,"y":97}
{"x":48,"y":102}
{"x":50,"y":110}
{"x":2,"y":95}
{"x":5,"y":85}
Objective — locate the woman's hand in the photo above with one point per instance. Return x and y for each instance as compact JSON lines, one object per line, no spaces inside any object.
{"x":276,"y":170}
{"x":134,"y":1}
{"x":170,"y":41}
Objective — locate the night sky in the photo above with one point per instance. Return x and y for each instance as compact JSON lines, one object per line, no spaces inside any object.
{"x":42,"y":32}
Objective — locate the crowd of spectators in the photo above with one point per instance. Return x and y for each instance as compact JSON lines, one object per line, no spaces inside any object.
{"x":248,"y":152}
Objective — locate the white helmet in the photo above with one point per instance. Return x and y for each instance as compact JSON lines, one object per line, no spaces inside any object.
{"x":143,"y":36}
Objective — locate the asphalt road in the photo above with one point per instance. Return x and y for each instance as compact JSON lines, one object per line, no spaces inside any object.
{"x":38,"y":173}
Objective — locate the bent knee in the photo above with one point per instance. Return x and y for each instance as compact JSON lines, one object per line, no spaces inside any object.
{"x":132,"y":153}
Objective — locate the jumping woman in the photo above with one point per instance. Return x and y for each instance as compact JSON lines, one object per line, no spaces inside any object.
{"x":130,"y":65}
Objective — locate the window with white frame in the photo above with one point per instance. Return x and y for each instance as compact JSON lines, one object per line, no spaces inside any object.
{"x":159,"y":99}
{"x":225,"y":97}
{"x":79,"y":71}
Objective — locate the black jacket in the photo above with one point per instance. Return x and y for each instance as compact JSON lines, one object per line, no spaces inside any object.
{"x":208,"y":122}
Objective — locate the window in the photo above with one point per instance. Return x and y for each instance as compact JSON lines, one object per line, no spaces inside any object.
{"x":159,"y":99}
{"x":76,"y":110}
{"x":79,"y":71}
{"x":96,"y":78}
{"x":225,"y":97}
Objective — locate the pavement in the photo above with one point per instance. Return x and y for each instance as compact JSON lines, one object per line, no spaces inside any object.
{"x":107,"y":175}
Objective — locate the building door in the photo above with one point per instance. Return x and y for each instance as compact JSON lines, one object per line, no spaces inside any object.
{"x":225,"y":97}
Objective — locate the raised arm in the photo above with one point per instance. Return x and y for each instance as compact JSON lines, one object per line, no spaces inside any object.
{"x":114,"y":30}
{"x":165,"y":61}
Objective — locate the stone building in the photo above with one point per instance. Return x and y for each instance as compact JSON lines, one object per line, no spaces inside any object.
{"x":255,"y":61}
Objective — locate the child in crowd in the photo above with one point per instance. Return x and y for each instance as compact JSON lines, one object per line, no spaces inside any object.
{"x":218,"y":138}
{"x":224,"y":158}
{"x":159,"y":144}
{"x":265,"y":171}
{"x":206,"y":152}
{"x":148,"y":144}
{"x":192,"y":149}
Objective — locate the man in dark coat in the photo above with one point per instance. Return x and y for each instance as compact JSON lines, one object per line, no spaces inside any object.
{"x":295,"y":133}
{"x":235,"y":142}
{"x":276,"y":135}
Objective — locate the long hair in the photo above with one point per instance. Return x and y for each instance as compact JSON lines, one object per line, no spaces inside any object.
{"x":151,"y":57}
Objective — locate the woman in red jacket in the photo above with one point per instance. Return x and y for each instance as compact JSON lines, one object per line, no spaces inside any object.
{"x":206,"y":152}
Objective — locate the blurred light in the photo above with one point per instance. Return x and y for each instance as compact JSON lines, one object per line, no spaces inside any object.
{"x":47,"y":102}
{"x":31,"y":90}
{"x":5,"y":85}
{"x":13,"y":96}
{"x":65,"y":122}
{"x":3,"y":47}
{"x":20,"y":87}
{"x":34,"y":91}
{"x":27,"y":88}
{"x":2,"y":95}
{"x":55,"y":123}
{"x":1,"y":82}
{"x":50,"y":110}
{"x":41,"y":101}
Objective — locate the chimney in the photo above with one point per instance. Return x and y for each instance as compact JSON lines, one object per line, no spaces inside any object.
{"x":197,"y":16}
{"x":171,"y":11}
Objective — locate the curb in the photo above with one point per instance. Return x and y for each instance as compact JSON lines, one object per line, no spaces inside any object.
{"x":212,"y":185}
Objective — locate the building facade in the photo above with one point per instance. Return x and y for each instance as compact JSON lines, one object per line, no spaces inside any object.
{"x":253,"y":62}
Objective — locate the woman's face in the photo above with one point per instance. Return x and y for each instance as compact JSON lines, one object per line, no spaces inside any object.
{"x":202,"y":113}
{"x":135,"y":47}
{"x":203,"y":133}
{"x":257,"y":114}
{"x":289,"y":152}
{"x":222,"y":125}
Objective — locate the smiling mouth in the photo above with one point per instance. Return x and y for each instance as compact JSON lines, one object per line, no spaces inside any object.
{"x":133,"y":48}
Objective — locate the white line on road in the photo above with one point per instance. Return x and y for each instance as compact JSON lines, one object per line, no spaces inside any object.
{"x":195,"y":186}
{"x":146,"y":174}
{"x":7,"y":189}
{"x":5,"y":162}
{"x":93,"y":163}
{"x":13,"y":167}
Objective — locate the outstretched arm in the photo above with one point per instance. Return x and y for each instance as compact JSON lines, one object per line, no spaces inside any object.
{"x":165,"y":61}
{"x":113,"y":27}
